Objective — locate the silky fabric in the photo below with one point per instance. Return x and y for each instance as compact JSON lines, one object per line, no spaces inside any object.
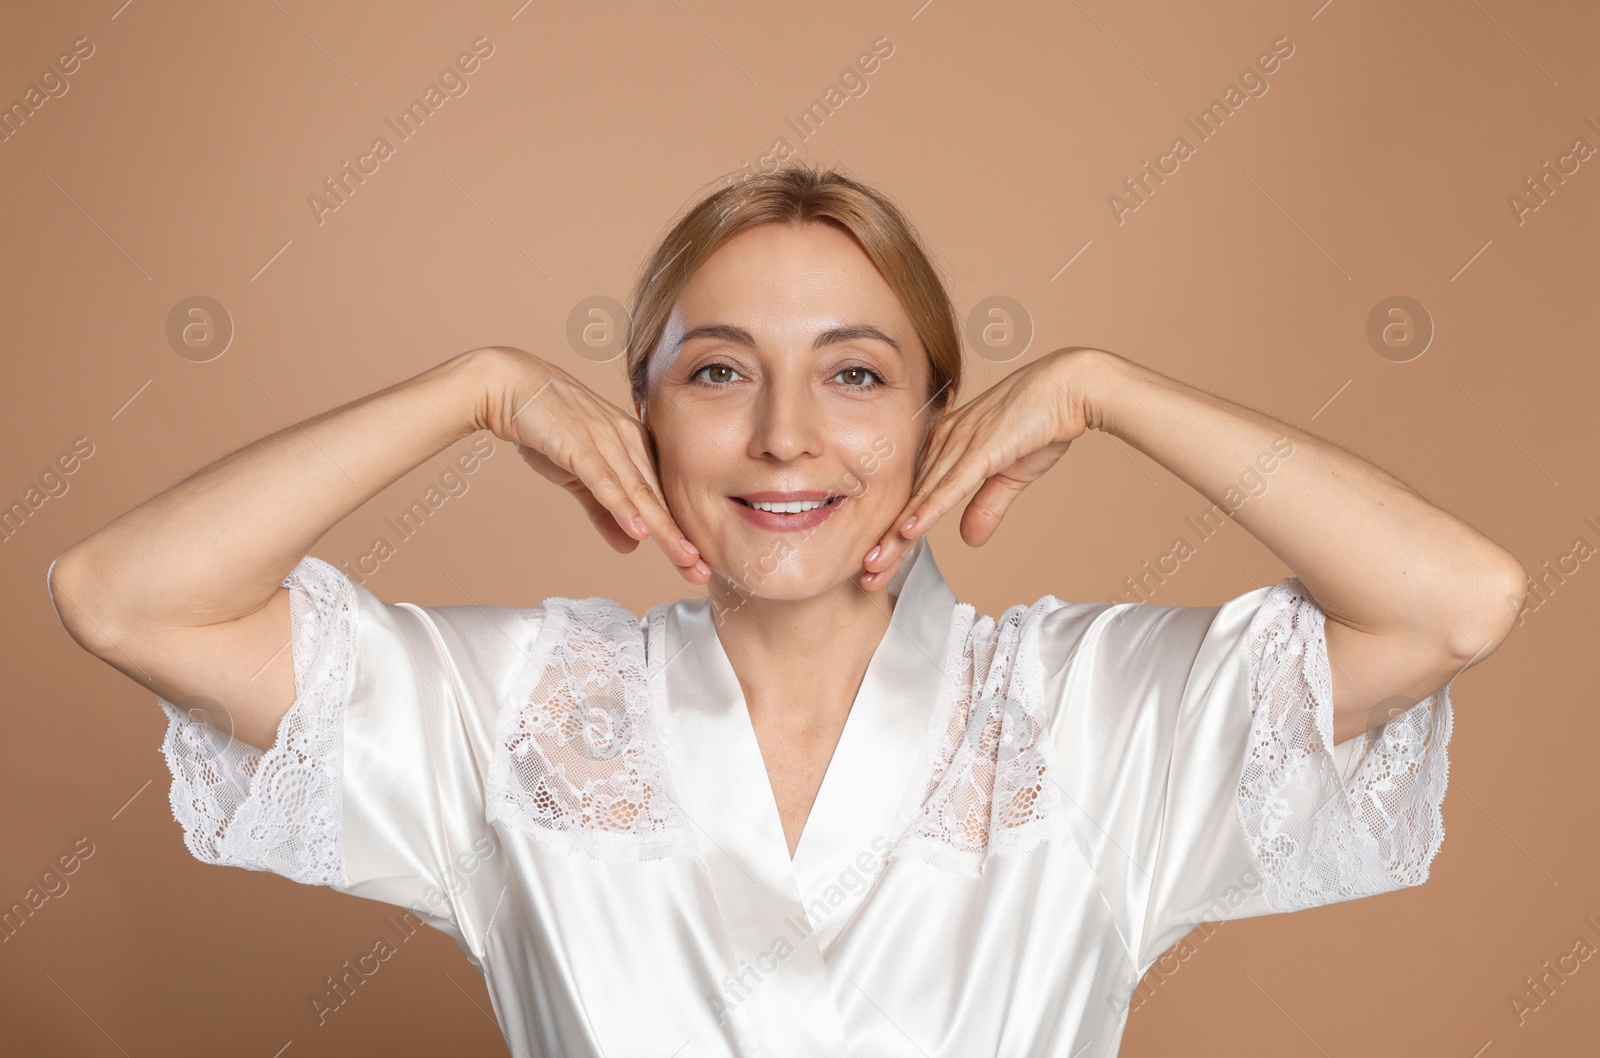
{"x":922,"y":914}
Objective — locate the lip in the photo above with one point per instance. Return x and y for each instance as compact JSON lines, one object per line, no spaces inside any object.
{"x":787,"y":523}
{"x":784,"y":497}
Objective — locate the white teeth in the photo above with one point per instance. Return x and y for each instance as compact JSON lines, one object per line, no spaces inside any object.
{"x":794,"y":507}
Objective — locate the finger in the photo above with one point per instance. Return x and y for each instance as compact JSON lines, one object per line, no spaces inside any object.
{"x":969,"y":472}
{"x":986,"y":509}
{"x":569,"y":480}
{"x":604,"y":495}
{"x":576,"y":480}
{"x":887,"y":545}
{"x":995,"y":496}
{"x":875,"y":581}
{"x":646,"y":491}
{"x":605,"y":523}
{"x":683,"y":555}
{"x":932,"y":451}
{"x":600,"y":477}
{"x":896,"y":543}
{"x":631,"y":492}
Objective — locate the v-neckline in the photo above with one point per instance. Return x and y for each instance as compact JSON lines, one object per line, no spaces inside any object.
{"x":866,"y":794}
{"x":839,"y":736}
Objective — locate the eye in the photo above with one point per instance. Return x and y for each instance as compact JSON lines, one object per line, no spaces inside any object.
{"x":859,"y":372}
{"x":713,"y":367}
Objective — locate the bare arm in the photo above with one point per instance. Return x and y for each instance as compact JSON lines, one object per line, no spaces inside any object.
{"x":215,"y":546}
{"x":184,"y":592}
{"x":1413,"y":595}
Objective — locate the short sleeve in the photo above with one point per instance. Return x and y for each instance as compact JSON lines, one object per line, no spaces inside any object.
{"x":374,"y":784}
{"x":1203,"y":772}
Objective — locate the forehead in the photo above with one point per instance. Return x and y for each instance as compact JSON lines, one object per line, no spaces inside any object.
{"x":779,"y":274}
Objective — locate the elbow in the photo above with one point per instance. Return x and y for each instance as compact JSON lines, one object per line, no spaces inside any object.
{"x":60,"y":582}
{"x":1498,"y":611}
{"x":65,"y":581}
{"x":54,"y":577}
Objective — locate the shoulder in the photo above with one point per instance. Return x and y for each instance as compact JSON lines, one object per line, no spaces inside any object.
{"x":591,"y":646}
{"x":332,"y":585}
{"x":465,"y":635}
{"x":592,"y":617}
{"x":1034,"y":653}
{"x":1044,"y":633}
{"x":1133,"y":632}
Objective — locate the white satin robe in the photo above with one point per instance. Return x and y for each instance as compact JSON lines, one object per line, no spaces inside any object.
{"x":1020,"y":817}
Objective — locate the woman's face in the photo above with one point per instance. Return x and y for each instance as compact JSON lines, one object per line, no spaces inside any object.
{"x":798,"y":372}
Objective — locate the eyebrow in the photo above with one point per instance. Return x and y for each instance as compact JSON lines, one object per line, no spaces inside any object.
{"x":832,"y":335}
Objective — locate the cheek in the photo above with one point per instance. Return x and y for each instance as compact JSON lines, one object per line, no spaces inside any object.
{"x":674,"y":485}
{"x":684,"y":461}
{"x":881,"y":466}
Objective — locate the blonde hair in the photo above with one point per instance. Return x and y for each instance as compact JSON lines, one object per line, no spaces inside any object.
{"x":800,"y":194}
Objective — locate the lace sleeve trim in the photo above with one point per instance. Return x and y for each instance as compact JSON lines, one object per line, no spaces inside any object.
{"x":1321,"y":838}
{"x":277,"y":810}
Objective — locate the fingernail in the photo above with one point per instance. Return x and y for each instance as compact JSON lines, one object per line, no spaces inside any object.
{"x":640,"y":524}
{"x":690,"y":547}
{"x":874,"y":552}
{"x":702,"y":567}
{"x":909,"y":523}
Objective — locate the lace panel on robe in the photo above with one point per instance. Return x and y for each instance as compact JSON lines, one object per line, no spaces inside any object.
{"x":1319,"y":837}
{"x":991,"y":789}
{"x":580,"y":759}
{"x":277,"y":810}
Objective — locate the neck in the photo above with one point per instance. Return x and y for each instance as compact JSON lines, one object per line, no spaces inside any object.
{"x":800,"y":662}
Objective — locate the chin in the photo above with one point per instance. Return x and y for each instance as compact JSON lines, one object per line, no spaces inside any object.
{"x":798,"y":564}
{"x":787,"y":587}
{"x":781,"y":569}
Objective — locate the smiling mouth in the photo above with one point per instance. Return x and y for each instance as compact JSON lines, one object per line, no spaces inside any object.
{"x":792,"y":507}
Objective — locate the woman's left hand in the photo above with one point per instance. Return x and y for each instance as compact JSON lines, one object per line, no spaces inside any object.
{"x":999,"y":443}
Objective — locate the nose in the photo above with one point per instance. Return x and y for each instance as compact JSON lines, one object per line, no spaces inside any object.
{"x":787,"y":422}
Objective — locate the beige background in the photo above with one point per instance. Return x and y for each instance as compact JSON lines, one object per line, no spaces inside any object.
{"x":1378,"y":163}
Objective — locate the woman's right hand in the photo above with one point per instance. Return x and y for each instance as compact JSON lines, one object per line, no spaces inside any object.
{"x":591,"y":448}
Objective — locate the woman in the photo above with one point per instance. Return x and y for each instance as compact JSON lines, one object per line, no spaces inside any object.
{"x":824,"y":809}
